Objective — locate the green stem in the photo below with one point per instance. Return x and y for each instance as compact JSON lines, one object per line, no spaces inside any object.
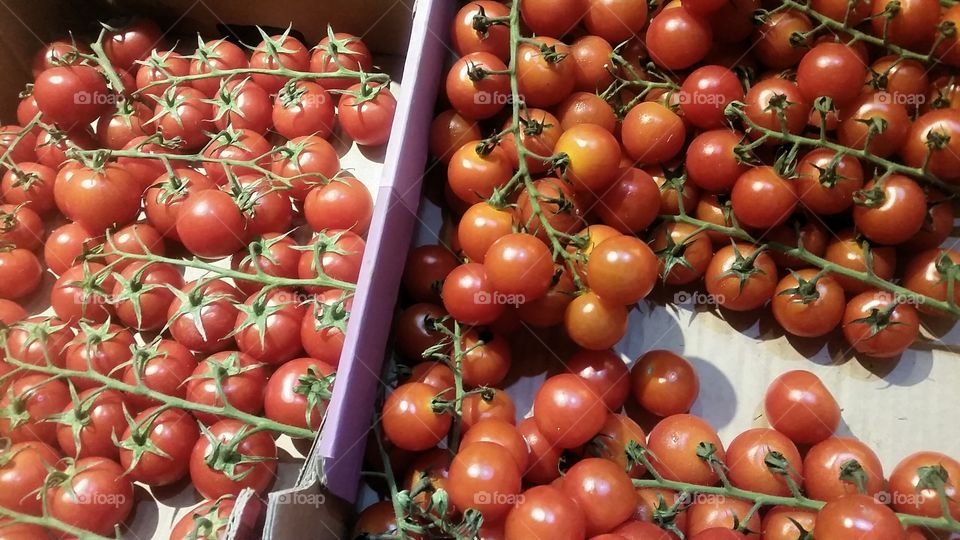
{"x":50,"y":523}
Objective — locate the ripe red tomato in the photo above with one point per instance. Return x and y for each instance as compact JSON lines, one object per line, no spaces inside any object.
{"x":274,"y":256}
{"x":340,"y":49}
{"x":603,"y":491}
{"x":560,"y":207}
{"x":469,"y":295}
{"x":163,"y":201}
{"x":137,"y":239}
{"x":38,"y":340}
{"x":519,"y":265}
{"x":721,"y":512}
{"x":478,"y":407}
{"x":82,"y":292}
{"x":545,"y":512}
{"x":502,"y":433}
{"x":268,"y":327}
{"x":673,"y":26}
{"x":39,"y":397}
{"x":20,"y":272}
{"x":830,"y":469}
{"x":95,"y":417}
{"x":344,"y":203}
{"x":544,"y":457}
{"x":202,"y":317}
{"x":605,"y":372}
{"x":117,"y":128}
{"x":486,"y":358}
{"x":778,"y":196}
{"x":926,"y":274}
{"x":366,"y":113}
{"x":72,"y":96}
{"x":832,"y":70}
{"x":748,"y":462}
{"x":737,"y":284}
{"x":631,"y":203}
{"x":98,"y":349}
{"x":97,"y":199}
{"x":449,"y":131}
{"x":158,"y":68}
{"x":298,"y":392}
{"x":183,"y":112}
{"x":305,"y":162}
{"x":241,"y":144}
{"x":652,"y":133}
{"x":674,"y":443}
{"x":243,"y":104}
{"x":303,"y":108}
{"x":276,"y":52}
{"x":409,"y":420}
{"x":210,"y":224}
{"x":480,"y":226}
{"x":768,"y":96}
{"x":585,"y":108}
{"x":33,"y":187}
{"x":546,"y":73}
{"x":685,"y":253}
{"x":785,"y":523}
{"x":476,"y":169}
{"x":162,"y":366}
{"x":219,"y":452}
{"x":592,"y":66}
{"x":705,"y":94}
{"x":891,"y":209}
{"x":567,"y":410}
{"x":93,"y":495}
{"x":798,"y":405}
{"x":664,"y":383}
{"x":812,"y":309}
{"x":552,"y":18}
{"x":622,"y":269}
{"x":876,"y":324}
{"x":243,"y":383}
{"x":484,"y":476}
{"x":615,"y":439}
{"x":132,"y":42}
{"x":912,"y":25}
{"x":477,"y":86}
{"x":615,"y":20}
{"x":712,"y":163}
{"x":142,"y":299}
{"x":913,"y":480}
{"x":491,"y":38}
{"x":217,"y":54}
{"x":595,"y":323}
{"x":857,"y":516}
{"x":23,"y":475}
{"x":156,"y":448}
{"x":333,"y":254}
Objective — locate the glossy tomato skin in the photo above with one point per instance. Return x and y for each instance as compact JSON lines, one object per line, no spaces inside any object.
{"x":277,"y":52}
{"x":586,"y":108}
{"x":164,"y":367}
{"x":543,"y":80}
{"x":705,"y":94}
{"x":212,"y":483}
{"x":215,"y":55}
{"x":33,"y":189}
{"x":632,"y":203}
{"x":729,"y":291}
{"x":291,"y":389}
{"x":94,"y":350}
{"x":808,"y":317}
{"x":182,"y":112}
{"x":721,"y":513}
{"x":778,"y":194}
{"x":211,"y":225}
{"x":132,"y":42}
{"x":543,"y":465}
{"x":40,"y":397}
{"x":909,"y":492}
{"x":850,"y":250}
{"x":211,"y":516}
{"x":652,"y":133}
{"x":801,"y":407}
{"x":857,"y":516}
{"x":712,"y":163}
{"x":552,"y":18}
{"x":926,"y":274}
{"x":303,"y":108}
{"x":367,"y":119}
{"x":24,"y":472}
{"x":678,"y":25}
{"x":826,"y":461}
{"x":115,"y":130}
{"x":567,"y":410}
{"x":344,"y":203}
{"x":466,"y":39}
{"x":282,"y":317}
{"x":249,"y":107}
{"x":545,"y":512}
{"x":481,"y":98}
{"x":468,"y":295}
{"x":897,"y":215}
{"x":593,"y":157}
{"x":765,"y":93}
{"x":674,"y":441}
{"x":943,"y":162}
{"x":897,"y":325}
{"x":20,"y":273}
{"x":832,"y":70}
{"x":174,"y":432}
{"x":664,"y":383}
{"x":99,"y":415}
{"x":449,"y":131}
{"x":152,"y":71}
{"x":520,"y":265}
{"x":826,"y":190}
{"x":216,"y":317}
{"x":315,"y":163}
{"x":622,"y":269}
{"x":615,"y":438}
{"x":484,"y":467}
{"x":97,"y":498}
{"x":163,"y":201}
{"x":784,"y":522}
{"x":595,"y":323}
{"x":146,"y":283}
{"x":80,"y":196}
{"x":747,"y":457}
{"x":243,"y":383}
{"x":475,"y":171}
{"x":71,"y":95}
{"x":606,"y":372}
{"x":854,"y":129}
{"x":409,"y":421}
{"x":603,"y":491}
{"x":480,"y":226}
{"x":345,"y":50}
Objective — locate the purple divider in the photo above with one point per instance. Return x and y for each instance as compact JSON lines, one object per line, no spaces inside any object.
{"x":343,"y":437}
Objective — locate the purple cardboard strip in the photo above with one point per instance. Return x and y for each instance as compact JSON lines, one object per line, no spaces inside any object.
{"x":342,"y":443}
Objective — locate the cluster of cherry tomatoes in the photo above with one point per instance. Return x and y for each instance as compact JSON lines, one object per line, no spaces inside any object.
{"x":568,"y":470}
{"x":798,"y":155}
{"x":148,"y":163}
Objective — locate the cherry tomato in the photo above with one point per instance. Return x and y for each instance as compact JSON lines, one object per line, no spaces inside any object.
{"x":71,"y":96}
{"x":567,"y":410}
{"x":96,"y":416}
{"x":614,"y":442}
{"x":774,"y":94}
{"x":725,"y":513}
{"x":22,"y":475}
{"x":242,"y":384}
{"x":203,"y":316}
{"x":162,"y":366}
{"x":595,"y":323}
{"x":592,"y":157}
{"x":210,"y":224}
{"x":98,"y":350}
{"x":857,"y":516}
{"x":97,"y":199}
{"x":652,"y":133}
{"x":303,"y":108}
{"x":279,"y":51}
{"x":210,"y":516}
{"x":913,"y":480}
{"x":603,"y":491}
{"x":877,"y":325}
{"x":156,"y":447}
{"x":891,"y":210}
{"x":93,"y":495}
{"x":798,"y":405}
{"x":673,"y":26}
{"x":937,"y":134}
{"x":664,"y":383}
{"x":738,"y":284}
{"x":808,"y":309}
{"x":586,"y":108}
{"x":466,"y":37}
{"x":749,"y":458}
{"x":605,"y":372}
{"x":674,"y":442}
{"x":243,"y":104}
{"x":158,"y":68}
{"x":38,"y":397}
{"x":705,"y":94}
{"x":31,"y":187}
{"x":226,"y":443}
{"x":473,"y":90}
{"x":622,"y":269}
{"x":484,"y":476}
{"x":409,"y":420}
{"x":712,"y":163}
{"x":470,"y":297}
{"x":268,"y":327}
{"x":215,"y":55}
{"x":340,"y":50}
{"x":832,"y":70}
{"x":839,"y":466}
{"x":519,"y":265}
{"x":785,"y":523}
{"x":552,"y":18}
{"x":912,"y":25}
